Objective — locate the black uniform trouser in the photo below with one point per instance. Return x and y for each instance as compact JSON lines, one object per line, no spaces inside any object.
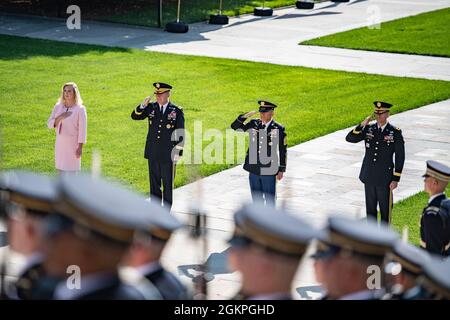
{"x":161,"y":176}
{"x":378,"y":195}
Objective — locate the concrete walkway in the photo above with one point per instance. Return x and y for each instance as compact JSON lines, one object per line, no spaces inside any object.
{"x":321,"y":180}
{"x":269,"y":39}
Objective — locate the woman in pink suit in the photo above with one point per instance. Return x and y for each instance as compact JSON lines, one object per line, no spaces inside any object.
{"x":69,"y":119}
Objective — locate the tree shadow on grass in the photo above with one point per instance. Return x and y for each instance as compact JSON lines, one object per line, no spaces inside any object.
{"x":51,"y":38}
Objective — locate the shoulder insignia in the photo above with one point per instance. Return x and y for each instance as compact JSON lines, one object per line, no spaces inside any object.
{"x":432,"y":210}
{"x":174,"y":106}
{"x":277,"y":125}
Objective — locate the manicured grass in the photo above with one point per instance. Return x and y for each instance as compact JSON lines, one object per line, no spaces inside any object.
{"x":408,"y":213}
{"x":192,"y":10}
{"x":140,"y":12}
{"x":113,"y":81}
{"x":425,"y":34}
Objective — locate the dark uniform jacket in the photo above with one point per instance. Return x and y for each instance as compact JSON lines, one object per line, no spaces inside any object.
{"x":28,"y":280}
{"x":167,"y":284}
{"x":111,"y":289}
{"x":267,"y":149}
{"x":159,"y":145}
{"x":379,"y":167}
{"x":433,"y":233}
{"x":276,"y":296}
{"x":114,"y":291}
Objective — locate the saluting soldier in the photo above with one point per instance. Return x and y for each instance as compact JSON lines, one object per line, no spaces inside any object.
{"x":143,"y":257}
{"x":30,"y":199}
{"x":266,"y":248}
{"x":266,"y":157}
{"x":383,"y":161}
{"x":434,"y":226}
{"x":165,"y":141}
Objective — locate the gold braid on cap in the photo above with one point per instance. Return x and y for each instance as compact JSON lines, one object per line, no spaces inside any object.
{"x":87,"y":219}
{"x":275,"y":242}
{"x":31,"y":203}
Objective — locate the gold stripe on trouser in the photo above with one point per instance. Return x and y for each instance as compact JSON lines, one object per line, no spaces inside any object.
{"x":390,"y":206}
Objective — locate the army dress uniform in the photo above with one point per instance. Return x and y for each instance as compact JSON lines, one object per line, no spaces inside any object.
{"x":434,"y":226}
{"x":165,"y":139}
{"x":383,"y":162}
{"x":266,"y":155}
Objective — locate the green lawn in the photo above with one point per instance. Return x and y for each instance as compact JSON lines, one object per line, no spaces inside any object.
{"x":191,"y":10}
{"x":139,"y":12}
{"x":113,"y":81}
{"x":425,"y":34}
{"x":408,"y":212}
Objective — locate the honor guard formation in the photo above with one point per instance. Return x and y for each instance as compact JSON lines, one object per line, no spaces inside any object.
{"x":88,"y":238}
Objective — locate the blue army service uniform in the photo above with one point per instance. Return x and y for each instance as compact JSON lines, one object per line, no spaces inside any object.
{"x":379,"y":168}
{"x":266,"y":155}
{"x":434,"y":223}
{"x":162,"y":143}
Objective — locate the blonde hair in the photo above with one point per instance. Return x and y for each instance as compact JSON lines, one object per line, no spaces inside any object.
{"x":74,"y":86}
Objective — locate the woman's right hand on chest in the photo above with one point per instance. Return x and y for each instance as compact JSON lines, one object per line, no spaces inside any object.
{"x":64,"y":115}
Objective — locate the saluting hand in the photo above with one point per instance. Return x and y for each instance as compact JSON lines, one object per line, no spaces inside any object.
{"x":61,"y":117}
{"x":250,"y":114}
{"x":66,"y":114}
{"x":147,"y":101}
{"x":366,"y":121}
